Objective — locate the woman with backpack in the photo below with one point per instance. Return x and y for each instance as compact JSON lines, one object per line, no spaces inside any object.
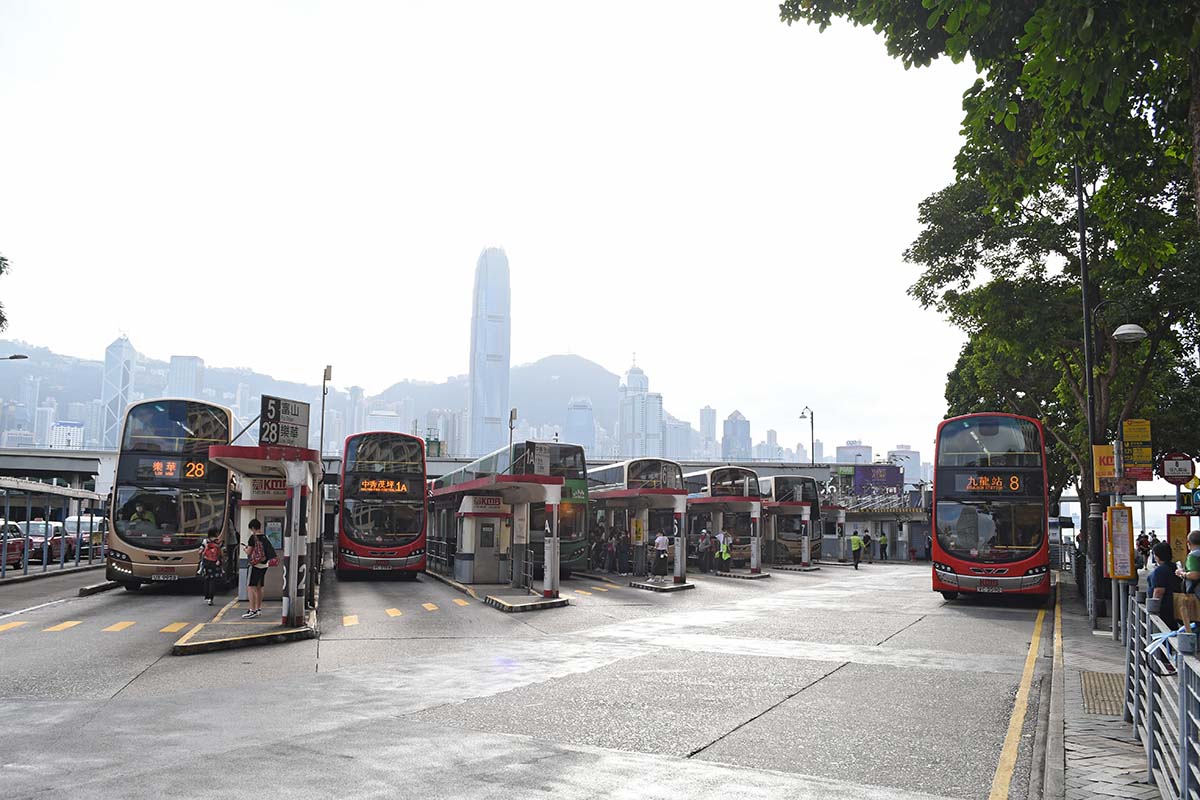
{"x":210,"y":566}
{"x":260,"y":553}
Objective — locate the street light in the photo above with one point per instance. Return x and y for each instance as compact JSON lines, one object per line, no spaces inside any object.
{"x":15,"y":357}
{"x":808,"y":414}
{"x":1129,"y":333}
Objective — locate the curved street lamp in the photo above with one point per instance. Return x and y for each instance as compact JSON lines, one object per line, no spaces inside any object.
{"x":15,"y":357}
{"x":808,"y":414}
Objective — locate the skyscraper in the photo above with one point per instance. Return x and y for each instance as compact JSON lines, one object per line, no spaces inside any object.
{"x":708,"y":432}
{"x":640,"y":419}
{"x":854,"y":452}
{"x":735,"y":444}
{"x":43,"y":422}
{"x":185,"y":376}
{"x":907,"y":459}
{"x":119,"y":361}
{"x":581,"y":424}
{"x":491,"y":325}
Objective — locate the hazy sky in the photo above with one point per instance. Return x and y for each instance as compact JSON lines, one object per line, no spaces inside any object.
{"x":693,"y":181}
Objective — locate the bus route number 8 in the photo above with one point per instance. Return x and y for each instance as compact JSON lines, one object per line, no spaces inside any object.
{"x":1014,"y":483}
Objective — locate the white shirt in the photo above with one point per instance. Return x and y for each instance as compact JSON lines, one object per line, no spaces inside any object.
{"x":661,"y":542}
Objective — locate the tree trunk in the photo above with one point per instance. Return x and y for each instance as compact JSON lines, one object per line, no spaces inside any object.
{"x":1194,"y":119}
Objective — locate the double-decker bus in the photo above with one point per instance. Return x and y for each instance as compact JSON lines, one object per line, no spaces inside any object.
{"x":990,"y":507}
{"x":531,"y":458}
{"x":641,"y":497}
{"x":383,"y":505}
{"x":723,"y":499}
{"x":168,"y":497}
{"x":783,"y":498}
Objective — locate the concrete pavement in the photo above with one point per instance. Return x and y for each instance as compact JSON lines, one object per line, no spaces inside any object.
{"x":830,"y":684}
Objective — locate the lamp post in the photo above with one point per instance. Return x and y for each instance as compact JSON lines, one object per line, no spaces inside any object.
{"x":325,"y":379}
{"x":808,"y":414}
{"x":15,"y":357}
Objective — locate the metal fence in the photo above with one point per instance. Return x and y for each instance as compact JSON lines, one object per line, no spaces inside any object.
{"x":1162,"y":701}
{"x":49,"y":536}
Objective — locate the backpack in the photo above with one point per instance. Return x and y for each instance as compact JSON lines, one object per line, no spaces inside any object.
{"x":258,"y":557}
{"x":212,"y":552}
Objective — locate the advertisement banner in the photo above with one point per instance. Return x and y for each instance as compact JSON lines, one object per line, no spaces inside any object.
{"x":872,"y":478}
{"x":1137,"y":452}
{"x":1105,"y":461}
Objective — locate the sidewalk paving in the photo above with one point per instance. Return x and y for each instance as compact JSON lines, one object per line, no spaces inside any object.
{"x":1103,"y":759}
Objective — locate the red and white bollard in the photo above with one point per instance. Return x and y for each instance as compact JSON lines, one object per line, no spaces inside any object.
{"x":805,"y":540}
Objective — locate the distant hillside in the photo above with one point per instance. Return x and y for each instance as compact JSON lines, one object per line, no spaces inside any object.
{"x":539,"y":391}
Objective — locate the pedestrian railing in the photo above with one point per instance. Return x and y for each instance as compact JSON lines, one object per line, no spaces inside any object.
{"x":45,"y":546}
{"x":1162,"y":701}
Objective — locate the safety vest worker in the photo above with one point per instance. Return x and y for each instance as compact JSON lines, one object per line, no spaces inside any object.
{"x":856,"y":548}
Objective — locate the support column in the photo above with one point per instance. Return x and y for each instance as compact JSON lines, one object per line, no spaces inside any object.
{"x":680,"y":547}
{"x":755,"y":543}
{"x":805,"y":538}
{"x":293,"y":546}
{"x":840,"y":530}
{"x":550,"y":564}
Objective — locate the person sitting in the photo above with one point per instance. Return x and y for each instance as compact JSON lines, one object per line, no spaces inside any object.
{"x":143,"y":515}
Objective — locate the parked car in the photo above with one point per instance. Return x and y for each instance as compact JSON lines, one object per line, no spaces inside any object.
{"x":85,"y":533}
{"x":48,"y":535}
{"x":14,"y":546}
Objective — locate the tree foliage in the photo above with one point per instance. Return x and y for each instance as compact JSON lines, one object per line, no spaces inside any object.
{"x":1113,"y":87}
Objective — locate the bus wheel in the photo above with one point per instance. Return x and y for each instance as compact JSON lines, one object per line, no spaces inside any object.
{"x":565,"y":575}
{"x":131,"y":587}
{"x":950,"y":595}
{"x":340,"y":573}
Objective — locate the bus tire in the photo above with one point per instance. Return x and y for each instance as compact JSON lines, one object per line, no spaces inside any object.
{"x":950,"y":595}
{"x":131,"y":586}
{"x":340,"y":573}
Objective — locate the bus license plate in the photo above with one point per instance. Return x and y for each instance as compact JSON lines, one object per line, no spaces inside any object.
{"x":989,"y":585}
{"x":382,"y":566}
{"x":164,"y":577}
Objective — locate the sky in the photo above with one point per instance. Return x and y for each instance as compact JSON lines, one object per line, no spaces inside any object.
{"x":286,"y":185}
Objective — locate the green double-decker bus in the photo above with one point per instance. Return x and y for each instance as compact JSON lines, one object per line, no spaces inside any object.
{"x":552,"y":459}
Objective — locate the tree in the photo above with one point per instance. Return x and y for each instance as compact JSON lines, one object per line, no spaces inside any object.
{"x":3,"y":269}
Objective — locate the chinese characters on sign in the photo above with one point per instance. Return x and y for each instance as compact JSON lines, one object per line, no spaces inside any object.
{"x":990,"y":484}
{"x":283,"y":422}
{"x":170,"y":469}
{"x":1137,"y":453}
{"x":382,"y":485}
{"x":1120,"y":542}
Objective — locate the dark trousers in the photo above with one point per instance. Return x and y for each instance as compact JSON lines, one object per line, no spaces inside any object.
{"x":210,"y":579}
{"x":883,"y":552}
{"x":706,"y":561}
{"x":857,"y":556}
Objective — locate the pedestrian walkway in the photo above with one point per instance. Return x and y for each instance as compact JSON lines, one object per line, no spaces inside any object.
{"x":1102,"y":757}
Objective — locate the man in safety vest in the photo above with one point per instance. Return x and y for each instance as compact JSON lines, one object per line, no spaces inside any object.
{"x":882,"y":545}
{"x":724,"y":557}
{"x":856,"y":548}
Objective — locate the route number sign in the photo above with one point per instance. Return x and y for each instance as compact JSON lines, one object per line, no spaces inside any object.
{"x":283,"y":422}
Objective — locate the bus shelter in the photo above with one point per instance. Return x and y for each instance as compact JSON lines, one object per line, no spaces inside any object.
{"x":278,"y":487}
{"x":642,"y":514}
{"x":49,"y":527}
{"x":737,"y":516}
{"x":479,"y":530}
{"x":788,"y":533}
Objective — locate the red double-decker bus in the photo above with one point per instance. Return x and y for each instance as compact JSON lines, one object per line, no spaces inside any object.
{"x":990,"y":510}
{"x":383,"y":505}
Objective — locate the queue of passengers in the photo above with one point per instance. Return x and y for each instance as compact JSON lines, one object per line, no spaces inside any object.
{"x":613,"y":553}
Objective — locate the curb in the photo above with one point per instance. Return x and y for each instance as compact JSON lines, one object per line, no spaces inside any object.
{"x":33,"y":576}
{"x":747,"y":577}
{"x":97,"y":588}
{"x":777,"y":567}
{"x":662,"y":587}
{"x":508,"y":608}
{"x":462,"y":587}
{"x":1054,"y":773}
{"x":183,"y":647}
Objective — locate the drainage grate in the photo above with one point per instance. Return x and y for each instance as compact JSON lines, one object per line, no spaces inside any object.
{"x":1103,"y":692}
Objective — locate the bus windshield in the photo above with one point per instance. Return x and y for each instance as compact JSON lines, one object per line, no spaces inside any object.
{"x":169,"y":517}
{"x":382,"y":522}
{"x":383,"y":453}
{"x":654,"y":475}
{"x":990,"y":532}
{"x":989,"y":442}
{"x":795,"y":490}
{"x":175,"y":426}
{"x":733,"y":482}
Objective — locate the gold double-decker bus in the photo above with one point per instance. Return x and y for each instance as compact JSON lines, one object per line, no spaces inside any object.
{"x":168,"y":497}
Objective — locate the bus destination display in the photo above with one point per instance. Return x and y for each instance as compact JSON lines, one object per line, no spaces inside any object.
{"x":1010,"y":483}
{"x":382,"y":486}
{"x":170,"y":469}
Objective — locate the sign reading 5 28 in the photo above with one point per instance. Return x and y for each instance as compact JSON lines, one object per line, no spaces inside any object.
{"x":283,"y":422}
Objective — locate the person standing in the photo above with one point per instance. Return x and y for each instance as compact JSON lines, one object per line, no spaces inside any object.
{"x":1163,"y":585}
{"x":259,"y":552}
{"x":882,"y":545}
{"x":929,"y":547}
{"x":661,"y":543}
{"x":866,"y":547}
{"x":856,"y":548}
{"x":704,"y":551}
{"x":623,"y":554}
{"x":724,"y":551}
{"x":210,"y":566}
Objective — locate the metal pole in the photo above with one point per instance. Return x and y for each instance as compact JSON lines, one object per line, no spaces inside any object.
{"x":680,"y":551}
{"x":25,"y":549}
{"x":7,"y":522}
{"x":1095,"y":545}
{"x":805,"y":538}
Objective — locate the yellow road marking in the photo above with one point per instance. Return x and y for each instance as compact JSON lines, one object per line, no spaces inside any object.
{"x":350,"y":619}
{"x":62,"y":626}
{"x":581,"y":591}
{"x":459,"y":602}
{"x":174,"y":627}
{"x":1012,"y":740}
{"x":231,"y":604}
{"x":120,"y":626}
{"x":599,"y":589}
{"x":190,"y":634}
{"x":394,"y":612}
{"x":429,"y":606}
{"x":10,"y":625}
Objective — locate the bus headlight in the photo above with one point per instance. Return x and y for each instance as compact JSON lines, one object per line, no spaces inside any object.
{"x":117,"y":555}
{"x":943,"y":567}
{"x":1037,"y":570}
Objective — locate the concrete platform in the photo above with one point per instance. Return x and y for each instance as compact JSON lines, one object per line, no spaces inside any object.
{"x":516,"y":601}
{"x":795,"y":567}
{"x":227,"y":630}
{"x":746,"y":576}
{"x":662,"y":587}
